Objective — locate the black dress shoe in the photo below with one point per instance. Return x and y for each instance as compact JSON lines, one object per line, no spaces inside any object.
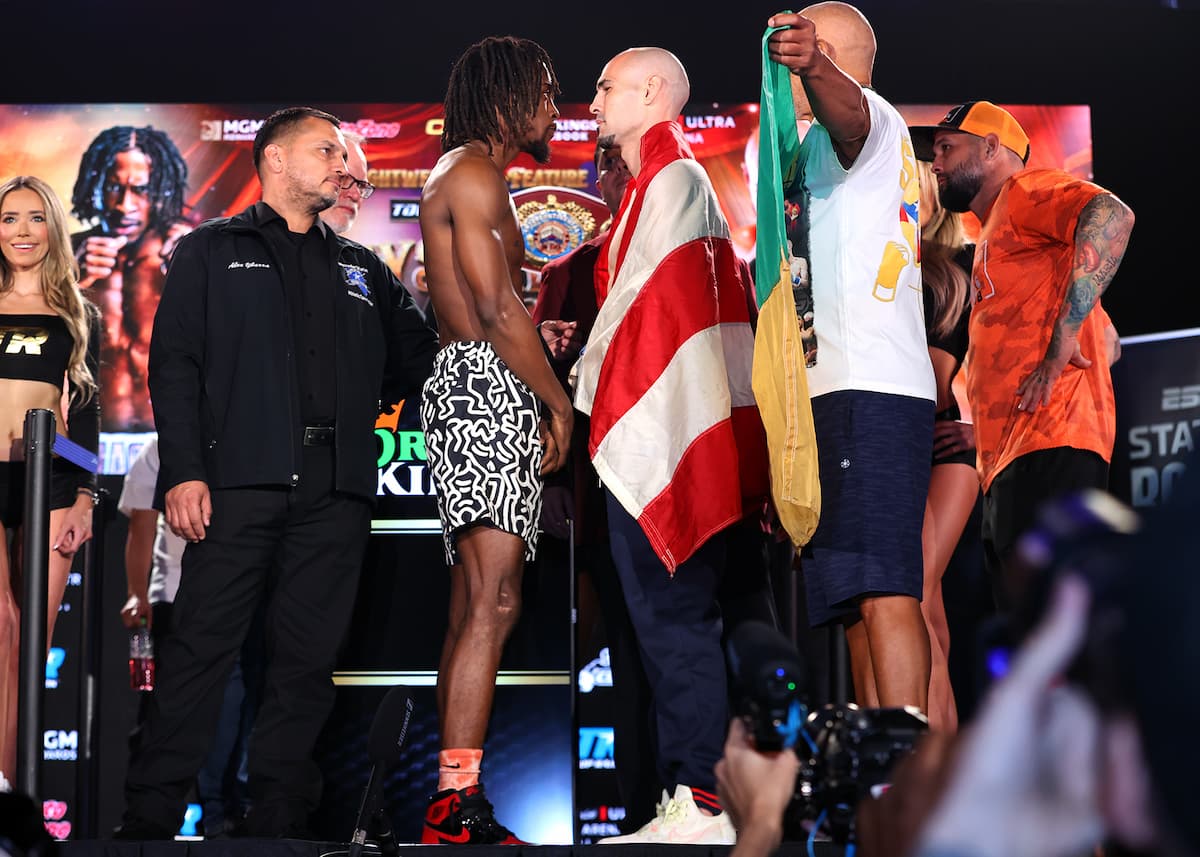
{"x":296,"y":831}
{"x":287,"y":831}
{"x":140,"y":830}
{"x":280,"y":821}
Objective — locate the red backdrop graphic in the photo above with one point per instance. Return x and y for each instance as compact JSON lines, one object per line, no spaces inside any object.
{"x":403,"y":144}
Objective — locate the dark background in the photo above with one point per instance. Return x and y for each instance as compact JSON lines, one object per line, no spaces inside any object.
{"x":1133,"y":61}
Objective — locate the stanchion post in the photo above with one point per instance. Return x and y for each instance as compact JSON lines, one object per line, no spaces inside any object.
{"x":87,"y":781}
{"x":39,"y":441}
{"x":839,"y":655}
{"x":573,"y":672}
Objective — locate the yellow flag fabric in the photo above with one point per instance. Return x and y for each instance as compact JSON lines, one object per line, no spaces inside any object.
{"x":780,"y":378}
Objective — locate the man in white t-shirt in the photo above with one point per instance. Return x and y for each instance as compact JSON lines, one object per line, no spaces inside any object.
{"x":852,"y":224}
{"x":152,"y":551}
{"x":152,"y":556}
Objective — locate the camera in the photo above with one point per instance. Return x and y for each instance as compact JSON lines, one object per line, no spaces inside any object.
{"x":846,"y":753}
{"x":1087,"y":533}
{"x":851,"y":756}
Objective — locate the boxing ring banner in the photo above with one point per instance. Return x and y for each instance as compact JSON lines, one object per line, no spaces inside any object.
{"x":1157,"y":387}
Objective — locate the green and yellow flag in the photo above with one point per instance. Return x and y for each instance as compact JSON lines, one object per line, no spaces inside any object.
{"x":780,"y":378}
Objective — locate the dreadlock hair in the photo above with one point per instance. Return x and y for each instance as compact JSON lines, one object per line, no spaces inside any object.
{"x":168,"y":174}
{"x":282,"y":123}
{"x":60,"y":283}
{"x":494,"y":90}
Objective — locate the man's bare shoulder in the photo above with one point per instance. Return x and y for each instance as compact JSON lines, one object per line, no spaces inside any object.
{"x":465,"y":174}
{"x":466,"y":181}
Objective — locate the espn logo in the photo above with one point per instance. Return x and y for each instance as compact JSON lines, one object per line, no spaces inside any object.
{"x":1181,"y":398}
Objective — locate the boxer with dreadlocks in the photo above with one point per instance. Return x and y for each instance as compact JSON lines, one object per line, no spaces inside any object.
{"x":480,"y":407}
{"x":130,"y":192}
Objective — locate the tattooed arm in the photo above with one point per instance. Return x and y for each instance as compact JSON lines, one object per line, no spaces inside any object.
{"x":1101,"y":236}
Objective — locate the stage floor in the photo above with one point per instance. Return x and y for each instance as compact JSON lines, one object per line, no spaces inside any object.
{"x":303,"y":848}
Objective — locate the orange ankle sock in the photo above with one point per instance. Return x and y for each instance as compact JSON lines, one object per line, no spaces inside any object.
{"x":458,"y":768}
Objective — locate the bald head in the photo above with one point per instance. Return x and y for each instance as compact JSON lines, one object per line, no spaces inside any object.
{"x":663,"y":72}
{"x":638,"y":89}
{"x":845,"y":36}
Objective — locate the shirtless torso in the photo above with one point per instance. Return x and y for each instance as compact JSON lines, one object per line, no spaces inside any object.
{"x":473,"y":254}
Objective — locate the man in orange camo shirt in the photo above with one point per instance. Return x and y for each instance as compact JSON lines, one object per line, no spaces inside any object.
{"x":1038,"y":376}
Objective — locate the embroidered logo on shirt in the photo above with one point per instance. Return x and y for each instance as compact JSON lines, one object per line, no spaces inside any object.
{"x":356,"y":276}
{"x":233,"y":265}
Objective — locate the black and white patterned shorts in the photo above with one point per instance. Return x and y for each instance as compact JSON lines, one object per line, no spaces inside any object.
{"x":481,"y":435}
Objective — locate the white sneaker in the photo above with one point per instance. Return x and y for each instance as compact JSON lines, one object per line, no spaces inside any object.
{"x":680,"y":822}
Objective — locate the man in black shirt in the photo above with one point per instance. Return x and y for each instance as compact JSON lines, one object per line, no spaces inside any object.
{"x":273,"y":345}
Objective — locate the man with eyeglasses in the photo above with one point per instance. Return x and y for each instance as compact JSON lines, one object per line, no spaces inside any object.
{"x":130,"y":192}
{"x":274,"y":344}
{"x":355,"y":188}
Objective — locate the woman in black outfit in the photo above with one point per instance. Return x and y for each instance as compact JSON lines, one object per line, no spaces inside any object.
{"x":48,"y":333}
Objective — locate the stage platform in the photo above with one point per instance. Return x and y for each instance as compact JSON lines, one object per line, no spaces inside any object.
{"x":303,"y":848}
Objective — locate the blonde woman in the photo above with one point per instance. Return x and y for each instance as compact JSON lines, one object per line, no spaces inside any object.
{"x":953,"y":482}
{"x":48,"y":335}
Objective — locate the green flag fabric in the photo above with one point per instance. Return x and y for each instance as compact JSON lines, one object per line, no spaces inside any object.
{"x":780,"y":378}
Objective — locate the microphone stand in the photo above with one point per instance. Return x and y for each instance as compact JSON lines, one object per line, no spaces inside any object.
{"x":373,"y":818}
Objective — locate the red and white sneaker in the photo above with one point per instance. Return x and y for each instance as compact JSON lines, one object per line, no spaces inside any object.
{"x":680,"y":822}
{"x":464,"y":817}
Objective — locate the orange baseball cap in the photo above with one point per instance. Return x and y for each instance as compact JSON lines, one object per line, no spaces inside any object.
{"x":975,"y":117}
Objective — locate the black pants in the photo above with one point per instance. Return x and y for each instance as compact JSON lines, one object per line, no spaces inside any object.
{"x":1011,"y":507}
{"x":678,"y":627}
{"x":301,"y":549}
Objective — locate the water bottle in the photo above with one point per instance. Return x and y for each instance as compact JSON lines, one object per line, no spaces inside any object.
{"x":141,"y":659}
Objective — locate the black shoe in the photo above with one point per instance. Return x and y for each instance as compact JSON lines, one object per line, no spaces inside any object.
{"x":275,"y":821}
{"x":464,"y":817}
{"x":141,"y":830}
{"x":296,"y":830}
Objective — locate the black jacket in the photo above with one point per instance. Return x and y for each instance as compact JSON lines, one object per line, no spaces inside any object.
{"x":223,"y":380}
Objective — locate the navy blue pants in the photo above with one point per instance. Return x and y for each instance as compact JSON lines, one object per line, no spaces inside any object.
{"x":678,"y":627}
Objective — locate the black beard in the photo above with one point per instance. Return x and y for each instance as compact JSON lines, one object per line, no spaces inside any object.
{"x":319,"y":201}
{"x":959,"y":191}
{"x":960,"y":188}
{"x":607,"y":141}
{"x":539,"y":150}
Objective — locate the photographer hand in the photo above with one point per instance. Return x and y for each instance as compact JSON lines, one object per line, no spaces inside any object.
{"x":890,"y":824}
{"x":1025,"y":780}
{"x":755,"y":789}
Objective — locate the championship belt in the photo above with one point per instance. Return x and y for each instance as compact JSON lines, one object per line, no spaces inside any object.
{"x":555,"y":220}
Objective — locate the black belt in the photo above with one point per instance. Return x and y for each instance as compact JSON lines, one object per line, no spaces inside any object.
{"x":318,"y":435}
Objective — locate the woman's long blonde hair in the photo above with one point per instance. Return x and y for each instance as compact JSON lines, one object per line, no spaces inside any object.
{"x":941,"y":238}
{"x":60,"y":283}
